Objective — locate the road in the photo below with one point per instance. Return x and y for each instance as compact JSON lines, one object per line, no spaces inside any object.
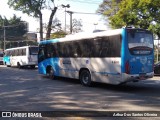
{"x":26,"y":90}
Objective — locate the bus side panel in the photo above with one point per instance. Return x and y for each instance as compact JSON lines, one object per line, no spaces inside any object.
{"x":22,"y":60}
{"x":50,"y":62}
{"x":13,"y":61}
{"x":106,"y":70}
{"x":69,"y":67}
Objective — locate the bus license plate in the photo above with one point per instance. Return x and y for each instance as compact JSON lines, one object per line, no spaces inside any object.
{"x":142,"y":76}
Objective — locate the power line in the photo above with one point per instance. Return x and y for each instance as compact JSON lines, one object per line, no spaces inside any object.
{"x":15,"y":25}
{"x":85,"y":2}
{"x":82,"y":12}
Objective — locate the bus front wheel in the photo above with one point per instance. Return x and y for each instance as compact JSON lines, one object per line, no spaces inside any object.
{"x":51,"y":73}
{"x":85,"y":78}
{"x":19,"y":65}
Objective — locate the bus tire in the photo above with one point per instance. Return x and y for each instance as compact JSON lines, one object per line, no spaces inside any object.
{"x":19,"y":66}
{"x":32,"y":66}
{"x":85,"y":78}
{"x":51,"y":73}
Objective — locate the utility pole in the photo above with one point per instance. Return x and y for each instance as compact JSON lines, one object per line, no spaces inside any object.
{"x":65,"y":6}
{"x":4,"y":33}
{"x":158,"y":50}
{"x":4,"y":37}
{"x":70,"y":13}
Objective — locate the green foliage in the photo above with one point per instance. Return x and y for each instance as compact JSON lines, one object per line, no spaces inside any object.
{"x":108,"y":7}
{"x":58,"y":34}
{"x":15,"y":28}
{"x":34,"y":8}
{"x":31,"y":7}
{"x":140,"y":13}
{"x":76,"y":26}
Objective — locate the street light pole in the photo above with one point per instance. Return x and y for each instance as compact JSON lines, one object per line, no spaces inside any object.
{"x":4,"y":46}
{"x":65,"y":6}
{"x":70,"y":13}
{"x":4,"y":36}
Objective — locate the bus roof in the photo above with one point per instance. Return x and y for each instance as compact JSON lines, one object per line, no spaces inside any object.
{"x":80,"y":36}
{"x":20,"y":47}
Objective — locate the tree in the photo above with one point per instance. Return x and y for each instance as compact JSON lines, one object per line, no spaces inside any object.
{"x":76,"y":26}
{"x":58,"y":34}
{"x":108,"y":8}
{"x":14,"y":28}
{"x":34,"y":8}
{"x":57,"y":29}
{"x":140,"y":13}
{"x":56,"y":25}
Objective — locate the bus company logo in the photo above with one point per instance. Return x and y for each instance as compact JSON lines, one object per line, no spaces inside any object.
{"x":6,"y":114}
{"x":143,"y":60}
{"x":87,"y":61}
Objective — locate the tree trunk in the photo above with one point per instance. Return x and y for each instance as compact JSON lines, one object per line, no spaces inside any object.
{"x":50,"y":23}
{"x":41,"y":26}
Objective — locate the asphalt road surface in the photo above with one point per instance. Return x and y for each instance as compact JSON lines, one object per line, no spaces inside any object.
{"x":26,"y":90}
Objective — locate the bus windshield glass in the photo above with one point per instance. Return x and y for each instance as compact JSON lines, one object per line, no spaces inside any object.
{"x":140,"y":42}
{"x":33,"y":50}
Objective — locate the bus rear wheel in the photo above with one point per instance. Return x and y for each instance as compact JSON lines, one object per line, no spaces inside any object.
{"x":51,"y":73}
{"x":19,"y":66}
{"x":85,"y":78}
{"x":32,"y":66}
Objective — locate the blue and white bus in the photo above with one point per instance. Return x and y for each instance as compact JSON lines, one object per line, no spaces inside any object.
{"x":6,"y":58}
{"x":113,"y":56}
{"x":21,"y":56}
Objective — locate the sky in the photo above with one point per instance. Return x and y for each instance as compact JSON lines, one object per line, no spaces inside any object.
{"x":89,"y":21}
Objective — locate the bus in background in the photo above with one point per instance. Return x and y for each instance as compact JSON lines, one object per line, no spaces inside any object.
{"x":6,"y":57}
{"x":21,"y":56}
{"x":1,"y":58}
{"x":113,"y":56}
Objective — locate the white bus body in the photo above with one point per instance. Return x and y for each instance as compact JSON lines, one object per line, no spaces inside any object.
{"x":24,"y":56}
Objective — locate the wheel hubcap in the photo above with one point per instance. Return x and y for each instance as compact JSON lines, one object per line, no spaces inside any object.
{"x":85,"y":78}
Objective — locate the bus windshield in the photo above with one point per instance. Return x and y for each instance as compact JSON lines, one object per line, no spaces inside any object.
{"x":33,"y":50}
{"x":140,"y":42}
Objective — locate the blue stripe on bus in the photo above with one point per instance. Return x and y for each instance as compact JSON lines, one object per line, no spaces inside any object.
{"x":42,"y":66}
{"x":106,"y":73}
{"x":6,"y":60}
{"x":123,"y":50}
{"x":103,"y":73}
{"x":49,"y":41}
{"x":69,"y":70}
